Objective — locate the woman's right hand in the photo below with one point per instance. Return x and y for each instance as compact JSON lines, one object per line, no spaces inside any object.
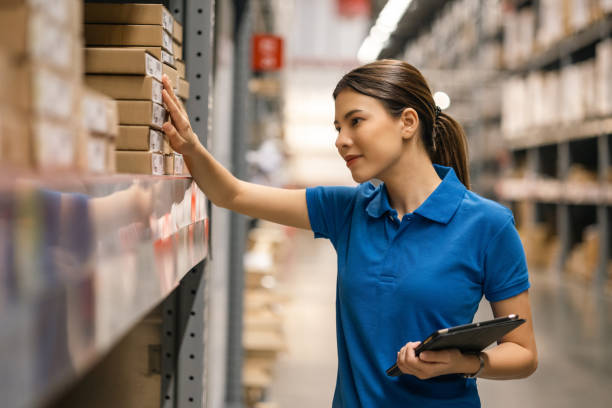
{"x":178,"y":129}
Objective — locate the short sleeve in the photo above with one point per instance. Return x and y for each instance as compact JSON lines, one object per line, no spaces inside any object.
{"x":505,"y":267}
{"x":329,"y":210}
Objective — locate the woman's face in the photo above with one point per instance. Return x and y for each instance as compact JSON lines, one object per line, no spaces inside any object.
{"x":369,"y":138}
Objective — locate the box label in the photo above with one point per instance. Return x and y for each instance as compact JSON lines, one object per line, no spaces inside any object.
{"x":55,"y":145}
{"x":94,"y":113}
{"x":178,"y":164}
{"x":167,"y":21}
{"x":156,"y":92}
{"x":96,"y":155}
{"x":53,"y":96}
{"x":157,"y":164}
{"x":153,"y":67}
{"x":59,"y":10}
{"x":49,"y":43}
{"x":156,"y":140}
{"x":167,"y":41}
{"x":159,"y":115}
{"x":167,"y":58}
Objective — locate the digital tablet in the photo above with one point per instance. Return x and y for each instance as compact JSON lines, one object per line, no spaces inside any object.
{"x":468,"y":338}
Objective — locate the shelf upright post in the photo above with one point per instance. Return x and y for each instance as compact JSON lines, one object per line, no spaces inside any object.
{"x":603,"y":221}
{"x":563,"y":221}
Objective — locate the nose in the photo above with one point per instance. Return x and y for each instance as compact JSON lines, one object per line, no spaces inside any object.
{"x":342,"y":140}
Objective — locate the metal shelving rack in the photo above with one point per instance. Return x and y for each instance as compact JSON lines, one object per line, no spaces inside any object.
{"x":88,"y":259}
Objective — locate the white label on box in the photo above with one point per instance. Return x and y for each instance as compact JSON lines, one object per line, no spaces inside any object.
{"x":167,"y":58}
{"x":53,"y":95}
{"x":159,"y":115}
{"x":178,"y":164}
{"x":167,"y":41}
{"x":156,"y":92}
{"x":96,"y":155}
{"x":94,"y":114}
{"x":167,"y":21}
{"x":49,"y":43}
{"x":153,"y":67}
{"x":156,"y":140}
{"x":55,"y":145}
{"x":59,"y":10}
{"x":157,"y":164}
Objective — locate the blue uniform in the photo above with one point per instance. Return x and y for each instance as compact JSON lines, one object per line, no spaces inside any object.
{"x":400,"y":281}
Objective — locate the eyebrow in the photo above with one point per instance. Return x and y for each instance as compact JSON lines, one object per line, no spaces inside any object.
{"x":349,"y":113}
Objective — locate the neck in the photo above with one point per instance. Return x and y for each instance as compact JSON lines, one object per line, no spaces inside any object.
{"x":410,"y":182}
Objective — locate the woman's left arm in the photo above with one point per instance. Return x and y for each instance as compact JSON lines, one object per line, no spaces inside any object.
{"x":514,"y":357}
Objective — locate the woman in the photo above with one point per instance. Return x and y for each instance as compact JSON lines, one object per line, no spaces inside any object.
{"x":415,"y":254}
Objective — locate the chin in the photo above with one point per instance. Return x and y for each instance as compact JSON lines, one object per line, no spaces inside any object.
{"x":358,"y":178}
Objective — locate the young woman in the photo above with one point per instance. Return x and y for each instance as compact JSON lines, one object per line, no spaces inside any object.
{"x":415,"y":254}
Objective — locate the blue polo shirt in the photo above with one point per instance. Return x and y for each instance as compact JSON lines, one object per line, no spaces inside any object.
{"x":400,"y":281}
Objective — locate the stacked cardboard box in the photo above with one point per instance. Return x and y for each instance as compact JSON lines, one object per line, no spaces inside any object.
{"x":130,"y":47}
{"x":100,"y":126}
{"x":42,"y":70}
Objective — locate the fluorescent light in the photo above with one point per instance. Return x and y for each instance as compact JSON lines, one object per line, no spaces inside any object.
{"x":386,"y":24}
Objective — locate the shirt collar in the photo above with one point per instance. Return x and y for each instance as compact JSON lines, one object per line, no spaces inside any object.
{"x":440,"y":206}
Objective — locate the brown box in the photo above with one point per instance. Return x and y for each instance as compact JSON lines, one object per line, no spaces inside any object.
{"x":15,"y":141}
{"x":111,"y":164}
{"x":63,"y":13}
{"x":128,"y":35}
{"x":180,"y":67}
{"x":177,"y":33}
{"x":169,"y":164}
{"x":54,"y":144}
{"x":144,"y":113}
{"x":166,"y":148}
{"x":127,"y":87}
{"x":122,"y":61}
{"x":183,"y":89}
{"x":140,"y":138}
{"x":139,"y":162}
{"x":177,"y":51}
{"x":99,"y":113}
{"x":174,"y":164}
{"x":172,"y":75}
{"x":154,"y":14}
{"x":37,"y":37}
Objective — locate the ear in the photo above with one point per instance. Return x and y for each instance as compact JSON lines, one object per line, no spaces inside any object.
{"x":409,"y":122}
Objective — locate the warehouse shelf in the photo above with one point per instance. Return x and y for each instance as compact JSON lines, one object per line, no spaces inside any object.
{"x":84,"y":259}
{"x":559,"y":133}
{"x":555,"y":191}
{"x":568,"y":46}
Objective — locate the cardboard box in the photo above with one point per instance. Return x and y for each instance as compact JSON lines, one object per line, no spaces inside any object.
{"x":64,"y":13}
{"x":183,"y":89}
{"x":111,"y":164}
{"x":144,"y":113}
{"x":128,"y":35}
{"x":139,"y":162}
{"x":127,"y":87}
{"x":169,"y":164}
{"x":177,"y":33}
{"x":15,"y":140}
{"x":99,"y":113}
{"x":180,"y":67}
{"x":147,"y":14}
{"x":35,"y":36}
{"x":177,"y":50}
{"x":122,"y":61}
{"x":179,"y":164}
{"x":166,"y":148}
{"x":96,"y":150}
{"x":172,"y":74}
{"x":140,"y":138}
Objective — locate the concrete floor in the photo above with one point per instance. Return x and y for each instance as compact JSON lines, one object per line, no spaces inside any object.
{"x":573,"y":332}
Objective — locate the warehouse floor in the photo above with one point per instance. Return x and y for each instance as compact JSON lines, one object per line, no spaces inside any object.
{"x":573,"y":331}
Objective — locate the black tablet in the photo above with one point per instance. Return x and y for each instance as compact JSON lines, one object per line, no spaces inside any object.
{"x":469,"y":338}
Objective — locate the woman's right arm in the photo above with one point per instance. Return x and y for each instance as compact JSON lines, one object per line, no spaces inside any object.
{"x":278,"y":205}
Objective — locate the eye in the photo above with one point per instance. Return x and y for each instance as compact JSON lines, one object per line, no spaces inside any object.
{"x":355,"y":121}
{"x":337,"y":129}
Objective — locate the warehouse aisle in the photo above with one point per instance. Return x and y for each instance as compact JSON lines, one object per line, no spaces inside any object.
{"x":573,"y":330}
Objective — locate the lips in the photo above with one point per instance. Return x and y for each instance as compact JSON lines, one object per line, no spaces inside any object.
{"x":350,"y":160}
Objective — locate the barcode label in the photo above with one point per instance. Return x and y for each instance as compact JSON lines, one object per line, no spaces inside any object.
{"x":159,"y":115}
{"x":96,"y":155}
{"x":153,"y":67}
{"x":178,"y":164}
{"x":167,"y":21}
{"x":157,"y":164}
{"x":167,"y":58}
{"x":156,"y":92}
{"x":156,"y":140}
{"x":167,"y":41}
{"x":95,"y":117}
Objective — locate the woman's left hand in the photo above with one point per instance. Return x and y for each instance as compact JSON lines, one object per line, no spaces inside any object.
{"x":429,"y":363}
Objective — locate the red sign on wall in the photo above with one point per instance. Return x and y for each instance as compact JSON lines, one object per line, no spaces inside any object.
{"x":267,"y":52}
{"x":354,"y":8}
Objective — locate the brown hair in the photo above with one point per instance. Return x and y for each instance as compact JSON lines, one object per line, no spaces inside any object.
{"x":399,"y":85}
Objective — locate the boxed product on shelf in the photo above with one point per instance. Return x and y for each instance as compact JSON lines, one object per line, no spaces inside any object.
{"x":96,"y":151}
{"x":123,"y":61}
{"x":177,"y":50}
{"x":139,"y":162}
{"x":141,"y":138}
{"x":172,"y":75}
{"x":145,"y":113}
{"x":142,"y":14}
{"x":99,"y":113}
{"x":177,"y":32}
{"x":127,"y":87}
{"x":550,"y":29}
{"x":572,"y":107}
{"x":183,"y":89}
{"x":15,"y":145}
{"x":603,"y":72}
{"x":54,"y":144}
{"x":180,"y":67}
{"x":584,"y":257}
{"x":128,"y":35}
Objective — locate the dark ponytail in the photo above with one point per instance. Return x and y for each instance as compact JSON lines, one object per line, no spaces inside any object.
{"x":399,"y":85}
